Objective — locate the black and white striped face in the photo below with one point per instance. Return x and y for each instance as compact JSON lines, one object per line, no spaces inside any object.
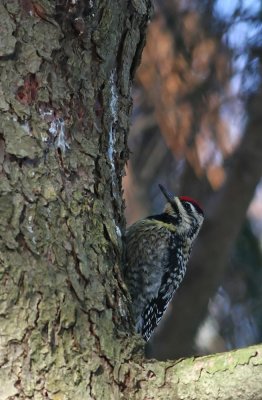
{"x":187,"y":213}
{"x":191,"y":215}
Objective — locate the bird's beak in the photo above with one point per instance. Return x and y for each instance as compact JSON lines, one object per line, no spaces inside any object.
{"x":167,"y":196}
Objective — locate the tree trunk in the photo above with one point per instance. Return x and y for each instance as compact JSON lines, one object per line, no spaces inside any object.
{"x":66,"y":69}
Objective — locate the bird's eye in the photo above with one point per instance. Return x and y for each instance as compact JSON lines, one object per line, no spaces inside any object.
{"x":188,"y":206}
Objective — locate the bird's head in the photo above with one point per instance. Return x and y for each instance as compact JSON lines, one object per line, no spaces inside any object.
{"x":187,"y":212}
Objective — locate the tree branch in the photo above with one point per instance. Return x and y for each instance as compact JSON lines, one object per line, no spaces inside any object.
{"x":224,"y":376}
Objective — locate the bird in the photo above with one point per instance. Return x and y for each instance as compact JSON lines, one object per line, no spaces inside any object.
{"x":157,"y":252}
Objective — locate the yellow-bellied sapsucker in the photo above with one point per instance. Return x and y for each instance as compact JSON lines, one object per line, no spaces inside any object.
{"x":157,"y":251}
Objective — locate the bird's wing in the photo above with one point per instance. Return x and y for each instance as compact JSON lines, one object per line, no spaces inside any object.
{"x":151,"y":316}
{"x":146,"y":255}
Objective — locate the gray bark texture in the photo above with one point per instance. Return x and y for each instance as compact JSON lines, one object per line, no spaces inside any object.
{"x":66,"y":70}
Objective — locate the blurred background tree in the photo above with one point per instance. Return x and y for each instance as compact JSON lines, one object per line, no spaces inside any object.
{"x":197,"y":129}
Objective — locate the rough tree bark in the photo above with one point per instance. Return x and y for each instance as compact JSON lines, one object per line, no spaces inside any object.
{"x":66,"y":69}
